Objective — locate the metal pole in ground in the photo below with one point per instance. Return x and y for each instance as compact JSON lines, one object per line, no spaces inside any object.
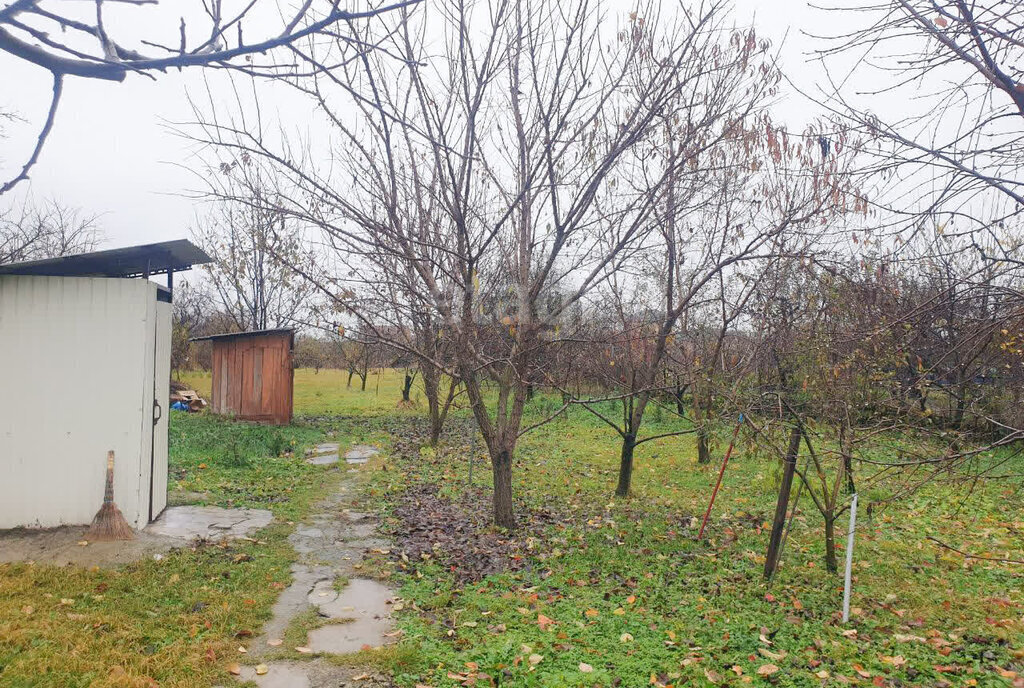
{"x":849,"y":559}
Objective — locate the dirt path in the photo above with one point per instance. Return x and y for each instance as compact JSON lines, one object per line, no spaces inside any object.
{"x":352,"y":612}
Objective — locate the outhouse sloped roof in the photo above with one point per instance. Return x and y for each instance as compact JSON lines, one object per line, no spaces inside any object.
{"x":241,"y":335}
{"x":130,"y":261}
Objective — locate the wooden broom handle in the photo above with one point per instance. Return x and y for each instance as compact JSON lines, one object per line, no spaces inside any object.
{"x":108,"y":494}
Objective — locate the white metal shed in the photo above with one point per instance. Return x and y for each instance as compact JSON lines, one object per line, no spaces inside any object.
{"x":85,"y":368}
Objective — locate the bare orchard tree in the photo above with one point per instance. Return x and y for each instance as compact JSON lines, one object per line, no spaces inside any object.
{"x":29,"y":231}
{"x":955,"y":151}
{"x":88,"y":40}
{"x":253,"y":247}
{"x":756,"y":193}
{"x":509,"y":142}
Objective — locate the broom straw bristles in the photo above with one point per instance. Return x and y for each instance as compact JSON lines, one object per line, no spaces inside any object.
{"x":109,"y":523}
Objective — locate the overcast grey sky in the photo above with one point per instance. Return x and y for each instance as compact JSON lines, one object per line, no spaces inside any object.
{"x":112,"y":153}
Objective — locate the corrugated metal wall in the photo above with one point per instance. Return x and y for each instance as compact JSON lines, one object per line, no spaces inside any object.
{"x":76,"y":379}
{"x":252,"y":378}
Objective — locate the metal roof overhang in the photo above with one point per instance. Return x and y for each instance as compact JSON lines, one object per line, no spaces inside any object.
{"x":132,"y":261}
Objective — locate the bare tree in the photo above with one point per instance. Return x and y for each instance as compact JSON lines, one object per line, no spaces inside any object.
{"x":253,"y":249}
{"x":89,"y":41}
{"x":487,"y":173}
{"x":953,"y":157}
{"x":191,"y":312}
{"x":30,"y":232}
{"x":760,"y":193}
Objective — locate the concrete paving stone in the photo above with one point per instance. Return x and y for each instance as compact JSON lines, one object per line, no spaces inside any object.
{"x":187,"y":522}
{"x":175,"y":527}
{"x":361,"y":453}
{"x":279,"y":675}
{"x":323,"y":460}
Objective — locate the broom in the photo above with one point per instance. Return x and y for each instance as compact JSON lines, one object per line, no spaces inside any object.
{"x":109,"y":523}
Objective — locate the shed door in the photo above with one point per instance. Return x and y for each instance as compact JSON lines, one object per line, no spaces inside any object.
{"x":265,"y":379}
{"x":161,"y":408}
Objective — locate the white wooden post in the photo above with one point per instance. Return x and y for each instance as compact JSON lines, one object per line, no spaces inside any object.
{"x":849,"y":559}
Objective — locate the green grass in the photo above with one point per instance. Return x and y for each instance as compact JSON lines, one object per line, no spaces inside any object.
{"x":244,"y":465}
{"x":179,"y":620}
{"x":694,"y":611}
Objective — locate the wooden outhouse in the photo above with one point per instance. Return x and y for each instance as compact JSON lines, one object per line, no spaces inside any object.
{"x":252,"y":375}
{"x":85,"y":365}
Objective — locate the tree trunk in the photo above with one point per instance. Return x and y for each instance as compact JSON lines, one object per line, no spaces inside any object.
{"x":626,"y":465}
{"x":432,"y":390}
{"x":436,"y":419}
{"x":363,"y":377}
{"x":703,"y":450}
{"x":407,"y":388}
{"x":350,"y":374}
{"x":771,"y":558}
{"x":501,"y":469}
{"x":831,"y":564}
{"x":961,"y":409}
{"x":529,"y":391}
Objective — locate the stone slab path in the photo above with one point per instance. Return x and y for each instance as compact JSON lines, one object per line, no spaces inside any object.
{"x":354,"y":611}
{"x":359,"y":454}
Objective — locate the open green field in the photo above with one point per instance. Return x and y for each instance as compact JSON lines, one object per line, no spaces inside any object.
{"x":592,"y":591}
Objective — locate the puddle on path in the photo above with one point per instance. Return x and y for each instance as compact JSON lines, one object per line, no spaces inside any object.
{"x":364,"y":605}
{"x":177,"y":526}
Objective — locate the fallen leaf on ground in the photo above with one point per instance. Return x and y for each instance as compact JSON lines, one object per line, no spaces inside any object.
{"x":234,"y":668}
{"x":585,"y":668}
{"x":274,"y":642}
{"x":303,"y":649}
{"x":535,"y":659}
{"x":261,"y":669}
{"x":903,"y":638}
{"x":766,"y":669}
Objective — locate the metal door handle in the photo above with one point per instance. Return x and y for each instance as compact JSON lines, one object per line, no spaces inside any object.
{"x":158,"y":412}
